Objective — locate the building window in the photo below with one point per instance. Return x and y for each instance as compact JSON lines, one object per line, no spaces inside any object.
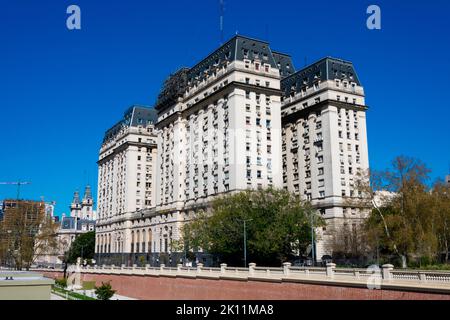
{"x":247,"y":94}
{"x":259,"y":174}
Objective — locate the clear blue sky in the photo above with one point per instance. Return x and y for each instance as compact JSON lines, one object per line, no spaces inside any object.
{"x":60,"y":89}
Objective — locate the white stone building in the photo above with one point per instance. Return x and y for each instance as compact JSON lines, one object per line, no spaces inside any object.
{"x":325,"y":141}
{"x":126,"y":180}
{"x":220,"y":129}
{"x":240,"y":118}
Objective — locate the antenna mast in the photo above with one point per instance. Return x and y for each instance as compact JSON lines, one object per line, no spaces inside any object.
{"x":222,"y":9}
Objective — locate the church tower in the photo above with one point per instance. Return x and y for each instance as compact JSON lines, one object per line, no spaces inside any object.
{"x":75,"y":207}
{"x":86,"y":206}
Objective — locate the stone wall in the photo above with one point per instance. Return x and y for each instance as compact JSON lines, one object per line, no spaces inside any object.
{"x":179,"y":288}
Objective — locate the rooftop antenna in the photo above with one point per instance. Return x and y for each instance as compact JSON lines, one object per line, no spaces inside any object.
{"x":222,"y":9}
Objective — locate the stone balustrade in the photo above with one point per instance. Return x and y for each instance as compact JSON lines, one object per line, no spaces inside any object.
{"x":375,"y":276}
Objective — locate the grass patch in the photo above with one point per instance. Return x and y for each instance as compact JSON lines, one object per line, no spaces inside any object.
{"x":88,"y":285}
{"x":69,"y":294}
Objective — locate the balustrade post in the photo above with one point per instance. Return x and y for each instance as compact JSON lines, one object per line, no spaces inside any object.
{"x":330,"y":269}
{"x":122,"y":266}
{"x":134,"y":267}
{"x":387,"y":274}
{"x":199,"y":267}
{"x":223,"y":268}
{"x":287,"y":268}
{"x":422,"y":277}
{"x":162,"y":266}
{"x":147,"y":266}
{"x":179,"y":267}
{"x":251,"y":268}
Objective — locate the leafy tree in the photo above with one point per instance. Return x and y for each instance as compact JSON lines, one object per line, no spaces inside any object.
{"x":278,"y":225}
{"x":105,"y":291}
{"x":26,"y":232}
{"x":83,"y":246}
{"x":412,"y":220}
{"x":441,"y":217}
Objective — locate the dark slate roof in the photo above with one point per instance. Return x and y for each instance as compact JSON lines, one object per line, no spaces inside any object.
{"x":133,"y":117}
{"x":237,"y":48}
{"x":284,"y":64}
{"x":325,"y":69}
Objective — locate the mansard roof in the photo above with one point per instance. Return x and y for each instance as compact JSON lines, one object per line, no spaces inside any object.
{"x":284,"y":64}
{"x":325,"y":69}
{"x":133,"y":117}
{"x":237,"y":48}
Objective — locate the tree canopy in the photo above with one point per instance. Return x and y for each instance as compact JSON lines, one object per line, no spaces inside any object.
{"x":411,"y":220}
{"x":278,"y":225}
{"x":25,"y":232}
{"x":83,"y":246}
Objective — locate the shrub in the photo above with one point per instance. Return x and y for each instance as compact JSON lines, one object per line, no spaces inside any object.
{"x":61,"y":282}
{"x":104,"y":292}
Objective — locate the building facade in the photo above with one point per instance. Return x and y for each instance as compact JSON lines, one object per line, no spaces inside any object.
{"x":126,"y":184}
{"x":242,"y":118}
{"x":325,"y":141}
{"x":220,"y":132}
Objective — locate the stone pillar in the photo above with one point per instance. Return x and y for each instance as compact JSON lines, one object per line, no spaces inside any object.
{"x":387,"y":268}
{"x":199,"y":267}
{"x":134,"y":266}
{"x":162,"y":266}
{"x":287,"y":268}
{"x":330,"y":269}
{"x":112,"y":266}
{"x":251,"y":269}
{"x":223,"y":267}
{"x":147,"y":266}
{"x":422,"y":277}
{"x":179,"y":267}
{"x":122,"y":267}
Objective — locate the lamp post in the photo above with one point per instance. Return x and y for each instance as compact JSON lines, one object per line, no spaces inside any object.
{"x":245,"y":241}
{"x":312,"y":239}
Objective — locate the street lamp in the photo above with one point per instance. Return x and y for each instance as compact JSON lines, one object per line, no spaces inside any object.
{"x":312,"y":238}
{"x":245,"y":241}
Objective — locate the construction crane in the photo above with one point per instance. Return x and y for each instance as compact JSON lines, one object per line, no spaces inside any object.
{"x":18,"y":183}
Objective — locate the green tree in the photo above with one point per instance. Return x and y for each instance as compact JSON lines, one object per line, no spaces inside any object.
{"x":83,"y":246}
{"x":441,"y":217}
{"x":105,"y":291}
{"x":278,"y":225}
{"x":406,"y":221}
